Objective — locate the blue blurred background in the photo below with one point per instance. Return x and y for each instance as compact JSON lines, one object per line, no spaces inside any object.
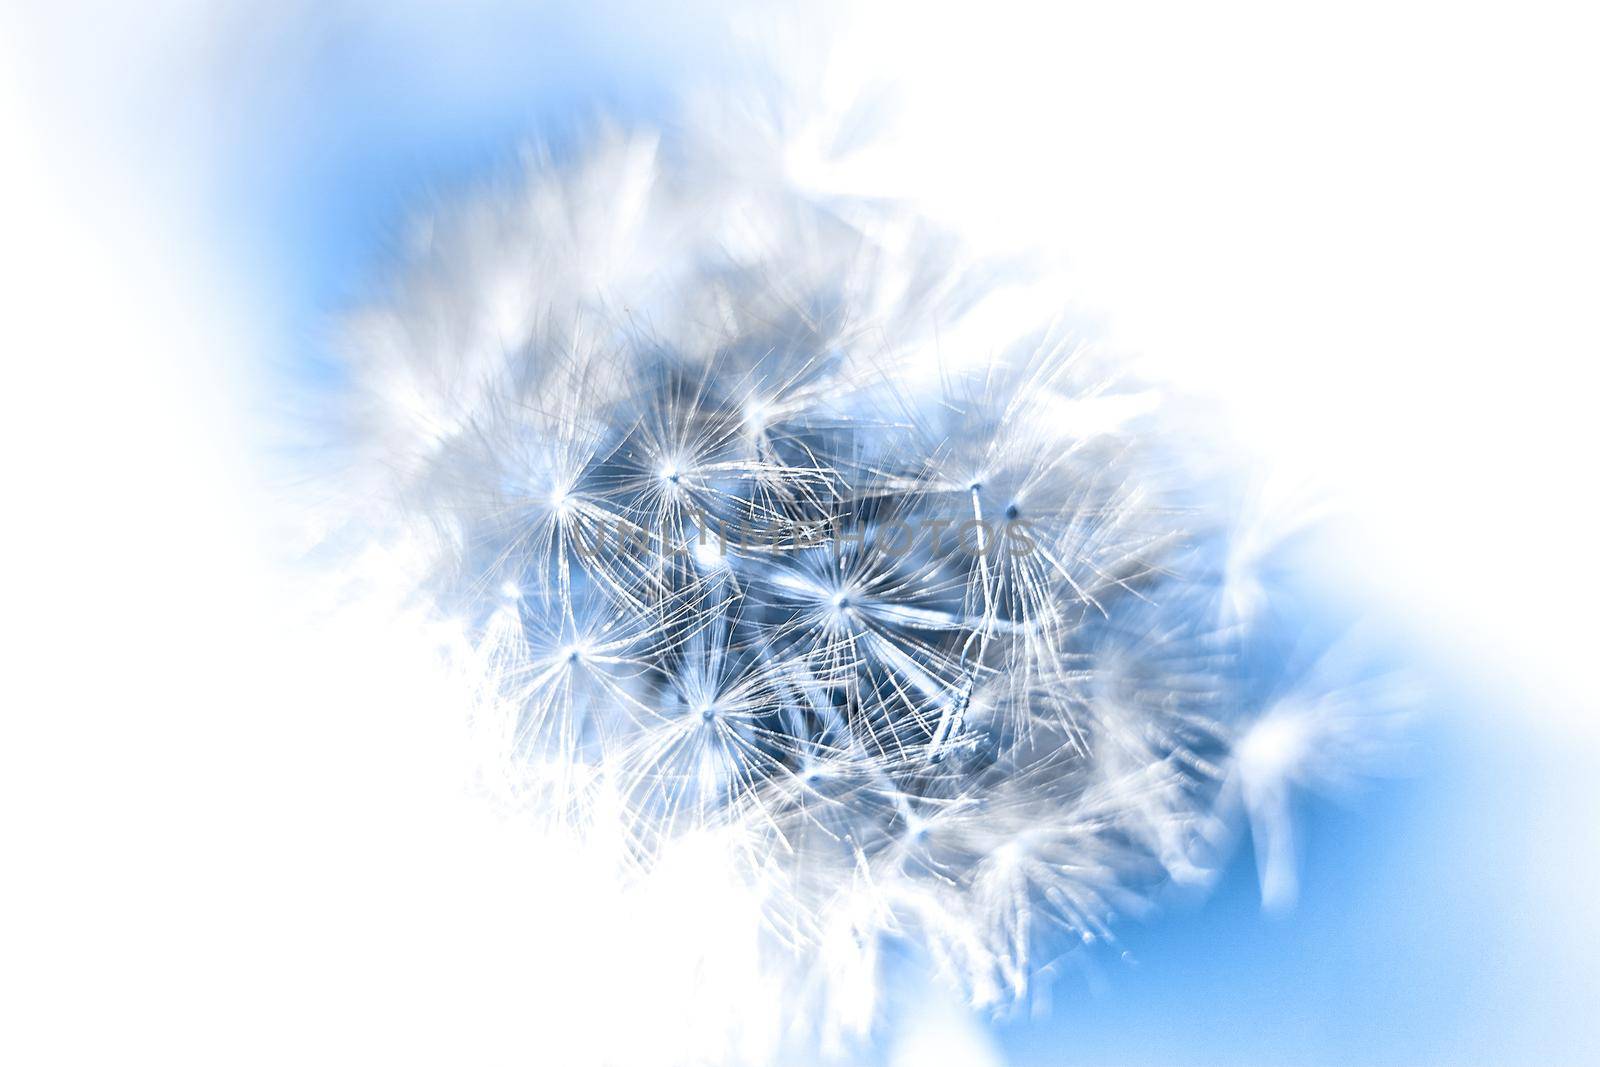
{"x":1446,"y":913}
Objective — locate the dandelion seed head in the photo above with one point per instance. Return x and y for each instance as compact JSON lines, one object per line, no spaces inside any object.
{"x":882,"y":654}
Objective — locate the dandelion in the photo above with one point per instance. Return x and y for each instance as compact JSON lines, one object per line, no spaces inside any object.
{"x":934,"y":658}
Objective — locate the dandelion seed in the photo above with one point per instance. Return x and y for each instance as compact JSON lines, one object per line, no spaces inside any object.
{"x":936,"y":660}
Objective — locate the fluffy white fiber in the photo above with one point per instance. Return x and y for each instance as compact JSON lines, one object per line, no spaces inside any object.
{"x":800,"y":599}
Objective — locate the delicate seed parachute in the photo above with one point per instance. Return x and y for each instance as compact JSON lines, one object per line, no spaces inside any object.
{"x":757,"y":551}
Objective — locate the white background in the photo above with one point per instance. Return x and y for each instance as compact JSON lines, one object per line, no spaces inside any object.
{"x":1370,"y":230}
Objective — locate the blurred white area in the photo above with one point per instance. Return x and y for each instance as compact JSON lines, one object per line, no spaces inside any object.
{"x":1369,"y":229}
